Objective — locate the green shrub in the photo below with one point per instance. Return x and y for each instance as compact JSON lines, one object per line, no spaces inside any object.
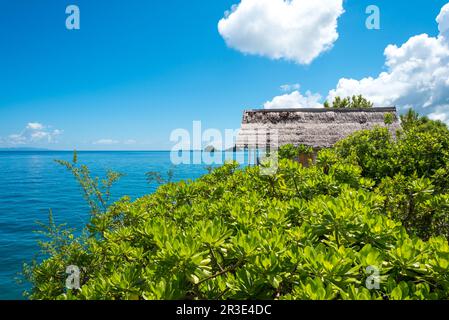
{"x":410,"y":170}
{"x":388,"y":118}
{"x":292,"y":152}
{"x":229,"y":235}
{"x":373,"y":210}
{"x":354,"y":102}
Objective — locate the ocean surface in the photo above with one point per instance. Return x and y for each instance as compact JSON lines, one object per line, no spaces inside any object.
{"x":32,"y":183}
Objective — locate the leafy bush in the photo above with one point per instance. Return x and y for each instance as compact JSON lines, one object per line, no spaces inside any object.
{"x":229,"y":235}
{"x":369,"y":221}
{"x":292,"y":152}
{"x":410,"y":170}
{"x":354,"y":102}
{"x":388,"y":118}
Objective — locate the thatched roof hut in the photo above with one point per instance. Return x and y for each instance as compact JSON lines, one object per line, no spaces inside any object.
{"x":318,"y":128}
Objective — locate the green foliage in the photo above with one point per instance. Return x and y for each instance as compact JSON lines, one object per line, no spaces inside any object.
{"x":354,"y":102}
{"x":410,"y":170}
{"x":374,"y":202}
{"x":388,"y":118}
{"x":373,"y":150}
{"x":412,"y":120}
{"x":97,"y":193}
{"x":155,"y":176}
{"x":292,"y":152}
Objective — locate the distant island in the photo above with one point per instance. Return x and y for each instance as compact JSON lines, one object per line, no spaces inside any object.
{"x":23,"y":149}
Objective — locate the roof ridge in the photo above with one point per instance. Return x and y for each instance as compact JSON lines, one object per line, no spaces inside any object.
{"x":377,"y":109}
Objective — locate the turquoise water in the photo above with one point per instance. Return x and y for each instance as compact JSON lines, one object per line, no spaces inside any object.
{"x":31,"y":183}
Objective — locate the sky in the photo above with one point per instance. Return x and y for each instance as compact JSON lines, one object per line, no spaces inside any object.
{"x":137,"y":70}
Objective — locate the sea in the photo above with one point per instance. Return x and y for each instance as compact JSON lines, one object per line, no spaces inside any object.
{"x":32,"y":184}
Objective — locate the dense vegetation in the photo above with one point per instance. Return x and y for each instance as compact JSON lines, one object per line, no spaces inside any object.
{"x":369,"y":221}
{"x":354,"y":102}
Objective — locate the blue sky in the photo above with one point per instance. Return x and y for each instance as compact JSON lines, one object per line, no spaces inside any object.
{"x":136,"y":70}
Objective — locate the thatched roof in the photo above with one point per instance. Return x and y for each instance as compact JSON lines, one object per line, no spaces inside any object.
{"x":317,"y":128}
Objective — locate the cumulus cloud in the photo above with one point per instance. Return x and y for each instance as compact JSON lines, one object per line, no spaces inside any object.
{"x":443,"y":21}
{"x":417,"y":75}
{"x":294,"y":30}
{"x":35,"y":126}
{"x":290,"y":87}
{"x":294,"y":100}
{"x":33,"y":132}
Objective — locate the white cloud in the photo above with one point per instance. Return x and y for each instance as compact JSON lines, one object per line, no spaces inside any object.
{"x":443,"y":21}
{"x":34,"y":126}
{"x":442,"y":116}
{"x":106,"y":142}
{"x":34,"y":132}
{"x":417,"y":75}
{"x":110,"y":142}
{"x":294,"y":30}
{"x":290,"y":87}
{"x":294,"y":100}
{"x":15,"y":139}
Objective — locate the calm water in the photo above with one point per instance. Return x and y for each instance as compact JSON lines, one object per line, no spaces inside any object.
{"x":31,"y":183}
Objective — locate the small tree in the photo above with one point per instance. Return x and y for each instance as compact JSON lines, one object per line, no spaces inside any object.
{"x":155,"y":176}
{"x":354,"y":102}
{"x":97,"y":193}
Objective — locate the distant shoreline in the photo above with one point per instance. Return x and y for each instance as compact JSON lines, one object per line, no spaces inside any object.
{"x":50,"y":150}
